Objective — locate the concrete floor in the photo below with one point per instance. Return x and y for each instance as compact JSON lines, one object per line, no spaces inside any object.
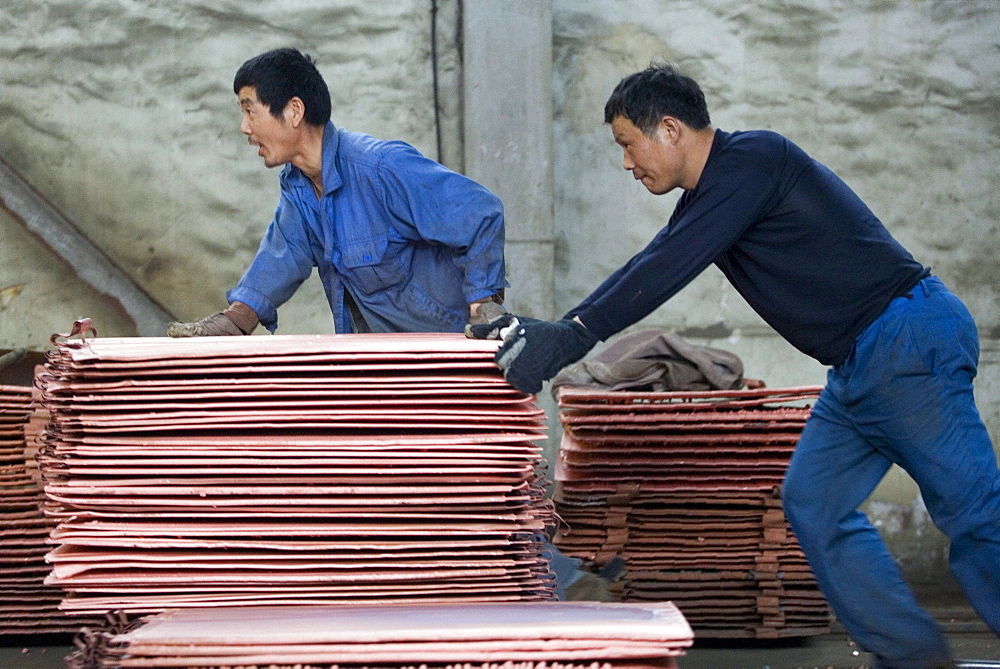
{"x":970,"y":638}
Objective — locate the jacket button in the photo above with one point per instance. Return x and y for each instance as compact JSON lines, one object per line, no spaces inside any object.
{"x":368,"y":258}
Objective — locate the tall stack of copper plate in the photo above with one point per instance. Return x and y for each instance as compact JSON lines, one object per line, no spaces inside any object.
{"x":290,"y":470}
{"x":684,"y":487}
{"x":27,"y":605}
{"x":534,"y":635}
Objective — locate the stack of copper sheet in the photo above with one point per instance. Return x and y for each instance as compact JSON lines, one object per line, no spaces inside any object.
{"x":34,"y":431}
{"x":538,"y":635}
{"x":291,"y":470}
{"x":685,"y":488}
{"x":27,"y":605}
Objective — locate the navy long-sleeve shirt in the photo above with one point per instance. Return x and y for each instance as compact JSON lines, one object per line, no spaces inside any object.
{"x":796,"y":242}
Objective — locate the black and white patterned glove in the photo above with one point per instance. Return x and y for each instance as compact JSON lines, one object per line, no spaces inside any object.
{"x":534,"y":351}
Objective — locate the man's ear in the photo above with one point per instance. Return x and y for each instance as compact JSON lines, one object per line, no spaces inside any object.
{"x":670,"y":127}
{"x":295,"y":111}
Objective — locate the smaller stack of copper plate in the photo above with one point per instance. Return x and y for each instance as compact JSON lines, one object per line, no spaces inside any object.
{"x":34,"y":431}
{"x":292,"y":469}
{"x":685,"y":488}
{"x":538,"y":635}
{"x":27,"y":605}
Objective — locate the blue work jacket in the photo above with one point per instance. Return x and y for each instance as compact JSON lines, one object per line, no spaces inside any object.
{"x":412,"y":241}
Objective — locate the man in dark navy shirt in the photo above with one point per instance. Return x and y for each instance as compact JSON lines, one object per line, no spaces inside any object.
{"x":810,"y":257}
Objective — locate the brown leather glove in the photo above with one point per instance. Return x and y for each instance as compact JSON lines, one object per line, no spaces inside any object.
{"x":487,"y":311}
{"x":238,"y":319}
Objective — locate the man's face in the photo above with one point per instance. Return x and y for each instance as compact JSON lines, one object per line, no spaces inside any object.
{"x":655,"y":161}
{"x":272,"y":136}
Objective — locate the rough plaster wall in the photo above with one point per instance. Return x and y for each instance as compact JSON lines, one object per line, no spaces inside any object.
{"x":899,"y":97}
{"x":43,"y":298}
{"x":121,"y":113}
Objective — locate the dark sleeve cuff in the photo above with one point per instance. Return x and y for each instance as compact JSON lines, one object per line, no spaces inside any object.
{"x":595,"y":324}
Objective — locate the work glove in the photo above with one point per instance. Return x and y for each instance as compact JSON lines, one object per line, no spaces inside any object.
{"x":237,"y":320}
{"x":534,"y":351}
{"x":487,"y":311}
{"x":490,"y":322}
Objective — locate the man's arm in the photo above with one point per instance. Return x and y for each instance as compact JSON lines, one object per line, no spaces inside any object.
{"x":439,"y":206}
{"x":703,"y":227}
{"x":282,"y":263}
{"x":736,"y":188}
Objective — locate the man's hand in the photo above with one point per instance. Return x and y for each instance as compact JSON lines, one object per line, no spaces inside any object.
{"x":489,"y":320}
{"x":218,"y":324}
{"x":237,"y":320}
{"x":485,"y":310}
{"x":534,"y":351}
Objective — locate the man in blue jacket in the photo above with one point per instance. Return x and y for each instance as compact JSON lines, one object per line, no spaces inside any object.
{"x":810,"y":257}
{"x":401,"y":243}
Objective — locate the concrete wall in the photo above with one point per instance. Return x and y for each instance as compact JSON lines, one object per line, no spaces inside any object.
{"x":121,"y":113}
{"x":508,"y":135}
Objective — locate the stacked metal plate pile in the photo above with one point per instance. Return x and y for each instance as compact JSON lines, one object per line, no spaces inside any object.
{"x":684,"y":487}
{"x":538,"y":635}
{"x":290,"y":470}
{"x":34,"y":431}
{"x":27,"y":605}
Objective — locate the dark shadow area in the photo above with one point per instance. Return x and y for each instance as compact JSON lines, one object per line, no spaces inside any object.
{"x":19,"y":370}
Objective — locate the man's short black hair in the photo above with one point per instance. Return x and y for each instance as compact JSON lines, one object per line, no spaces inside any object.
{"x":282,"y":74}
{"x":660,"y":90}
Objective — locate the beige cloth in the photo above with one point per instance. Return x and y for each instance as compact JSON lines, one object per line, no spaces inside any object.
{"x":656,"y":360}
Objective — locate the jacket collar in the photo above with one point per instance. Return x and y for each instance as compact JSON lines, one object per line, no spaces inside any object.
{"x":292,"y":176}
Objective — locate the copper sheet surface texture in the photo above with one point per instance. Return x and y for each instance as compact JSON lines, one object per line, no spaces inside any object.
{"x":27,"y":605}
{"x":192,"y":473}
{"x":685,"y":488}
{"x":550,"y":634}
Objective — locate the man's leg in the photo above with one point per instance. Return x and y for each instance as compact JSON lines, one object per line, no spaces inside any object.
{"x":832,"y":471}
{"x":926,"y":420}
{"x":961,"y":488}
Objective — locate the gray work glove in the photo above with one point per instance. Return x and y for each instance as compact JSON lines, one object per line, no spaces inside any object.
{"x":237,"y":320}
{"x":483,"y":311}
{"x":491,"y":325}
{"x":218,"y":324}
{"x":488,"y":310}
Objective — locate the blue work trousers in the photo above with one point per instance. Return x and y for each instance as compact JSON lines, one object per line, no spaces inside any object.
{"x":904,"y":395}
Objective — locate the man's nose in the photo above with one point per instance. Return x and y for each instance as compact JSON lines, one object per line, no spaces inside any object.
{"x":245,"y":126}
{"x":627,"y":162}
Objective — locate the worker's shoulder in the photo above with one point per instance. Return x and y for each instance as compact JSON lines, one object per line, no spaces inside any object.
{"x":364,"y":149}
{"x":764,"y":149}
{"x":755,"y":140}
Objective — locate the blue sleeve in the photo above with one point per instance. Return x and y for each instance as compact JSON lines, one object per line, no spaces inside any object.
{"x":734,"y":189}
{"x":433,"y":204}
{"x":282,"y":263}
